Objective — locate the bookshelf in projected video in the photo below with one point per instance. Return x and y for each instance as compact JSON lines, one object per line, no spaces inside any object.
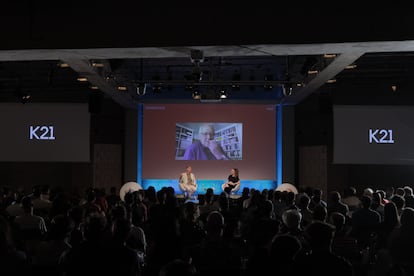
{"x":231,"y":141}
{"x":183,"y":138}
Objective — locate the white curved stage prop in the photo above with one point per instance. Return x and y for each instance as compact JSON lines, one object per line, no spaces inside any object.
{"x":129,"y":187}
{"x":287,"y":187}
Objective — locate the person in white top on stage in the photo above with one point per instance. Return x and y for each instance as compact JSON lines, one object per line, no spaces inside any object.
{"x":187,"y":182}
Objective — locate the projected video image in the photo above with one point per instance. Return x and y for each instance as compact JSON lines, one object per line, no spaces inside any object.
{"x":244,"y":137}
{"x":208,"y":141}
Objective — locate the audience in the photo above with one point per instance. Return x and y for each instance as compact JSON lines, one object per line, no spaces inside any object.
{"x":154,"y":233}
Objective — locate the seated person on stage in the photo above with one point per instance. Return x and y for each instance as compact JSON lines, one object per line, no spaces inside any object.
{"x":205,"y":148}
{"x":233,"y":182}
{"x":187,"y":182}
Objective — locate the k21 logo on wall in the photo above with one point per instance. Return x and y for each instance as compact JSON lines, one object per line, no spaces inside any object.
{"x":41,"y":133}
{"x":380,"y":136}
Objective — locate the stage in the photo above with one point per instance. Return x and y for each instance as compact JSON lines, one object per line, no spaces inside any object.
{"x":215,"y":184}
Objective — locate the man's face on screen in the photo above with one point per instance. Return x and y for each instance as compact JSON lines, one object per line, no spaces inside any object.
{"x":206,"y":133}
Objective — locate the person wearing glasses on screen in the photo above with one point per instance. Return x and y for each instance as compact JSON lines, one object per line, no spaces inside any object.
{"x":187,"y":182}
{"x":205,"y":148}
{"x":233,"y":182}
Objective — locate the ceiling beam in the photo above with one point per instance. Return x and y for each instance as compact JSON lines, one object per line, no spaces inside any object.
{"x":329,"y":72}
{"x":209,"y":51}
{"x":84,"y":69}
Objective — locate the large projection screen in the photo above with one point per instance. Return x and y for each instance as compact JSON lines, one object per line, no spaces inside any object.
{"x":373,"y":134}
{"x":247,"y":133}
{"x":45,"y":132}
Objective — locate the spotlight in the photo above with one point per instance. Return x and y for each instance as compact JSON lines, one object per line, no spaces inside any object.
{"x":156,"y":88}
{"x":25,"y":98}
{"x":222,"y":94}
{"x":197,"y":56}
{"x":236,"y":78}
{"x":62,"y":64}
{"x":188,"y":87}
{"x":141,"y":89}
{"x":287,"y":89}
{"x":196,"y":95}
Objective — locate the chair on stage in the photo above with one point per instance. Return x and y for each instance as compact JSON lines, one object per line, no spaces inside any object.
{"x":228,"y":190}
{"x":189,"y":191}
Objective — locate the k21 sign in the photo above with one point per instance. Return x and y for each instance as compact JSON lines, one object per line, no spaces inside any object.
{"x":41,"y":133}
{"x":380,"y":136}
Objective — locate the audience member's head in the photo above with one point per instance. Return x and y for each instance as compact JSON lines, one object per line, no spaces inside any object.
{"x":291,"y":218}
{"x":178,"y":267}
{"x":335,"y":197}
{"x":399,"y":201}
{"x":215,"y":223}
{"x":389,"y":191}
{"x":400,"y":191}
{"x":366,"y":201}
{"x":60,"y":227}
{"x":245,"y":192}
{"x":304,"y":200}
{"x":338,"y":220}
{"x":284,"y":247}
{"x":320,"y":235}
{"x":27,"y":204}
{"x":350,"y":191}
{"x":368,"y":192}
{"x":191,"y":211}
{"x":121,"y":229}
{"x":409,"y":201}
{"x":383,"y":195}
{"x":94,"y":226}
{"x":391,"y":216}
{"x":407,"y":220}
{"x":320,"y":213}
{"x":408,"y":191}
{"x":377,"y":199}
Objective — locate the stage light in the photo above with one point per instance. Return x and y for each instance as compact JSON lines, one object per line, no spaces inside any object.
{"x":63,"y":64}
{"x":236,"y":78}
{"x":197,"y":56}
{"x":97,"y":64}
{"x":82,"y":79}
{"x":156,"y":88}
{"x":188,"y":87}
{"x":287,"y":89}
{"x":196,"y":95}
{"x":141,"y":89}
{"x":25,"y":98}
{"x":156,"y":85}
{"x":223,"y":94}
